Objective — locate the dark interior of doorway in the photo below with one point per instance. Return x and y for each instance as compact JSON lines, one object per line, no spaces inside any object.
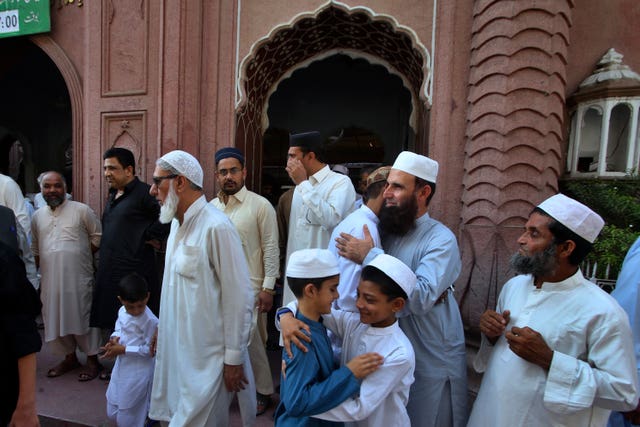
{"x":360,"y":108}
{"x":35,"y":110}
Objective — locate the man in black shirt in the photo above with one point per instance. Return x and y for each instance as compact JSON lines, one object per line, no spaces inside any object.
{"x":130,"y":231}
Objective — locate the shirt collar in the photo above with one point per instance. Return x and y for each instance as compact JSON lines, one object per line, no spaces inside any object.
{"x":388,"y":330}
{"x":195,"y":207}
{"x":321,"y":175}
{"x":370,"y":214}
{"x":567,"y":284}
{"x":239,"y":196}
{"x":127,"y":188}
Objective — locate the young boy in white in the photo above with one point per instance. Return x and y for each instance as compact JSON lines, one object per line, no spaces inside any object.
{"x":129,"y":390}
{"x":382,"y":292}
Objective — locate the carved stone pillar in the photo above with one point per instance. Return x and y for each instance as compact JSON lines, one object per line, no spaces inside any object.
{"x":514,"y":135}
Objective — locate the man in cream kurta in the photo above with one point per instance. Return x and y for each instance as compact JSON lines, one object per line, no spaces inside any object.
{"x":255,"y":221}
{"x":206,"y":304}
{"x":65,"y":236}
{"x":321,"y":200}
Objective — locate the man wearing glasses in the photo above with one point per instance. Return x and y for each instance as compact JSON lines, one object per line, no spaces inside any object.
{"x":255,"y":221}
{"x":131,"y":231}
{"x":206,"y":307}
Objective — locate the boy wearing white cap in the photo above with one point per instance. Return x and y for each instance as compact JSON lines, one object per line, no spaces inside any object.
{"x":310,"y":383}
{"x":557,"y":346}
{"x":383,"y":290}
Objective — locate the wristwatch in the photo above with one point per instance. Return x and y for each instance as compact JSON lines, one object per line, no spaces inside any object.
{"x":269,"y":291}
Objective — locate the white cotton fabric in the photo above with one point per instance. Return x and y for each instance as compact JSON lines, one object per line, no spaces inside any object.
{"x":205,"y":318}
{"x":574,"y":215}
{"x":417,"y":165}
{"x":318,"y":205}
{"x":62,"y":238}
{"x":593,"y":368}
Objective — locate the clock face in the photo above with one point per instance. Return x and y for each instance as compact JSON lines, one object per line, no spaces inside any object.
{"x":9,"y":21}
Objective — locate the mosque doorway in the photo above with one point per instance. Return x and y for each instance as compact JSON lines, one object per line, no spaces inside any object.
{"x":361,"y":109}
{"x":359,"y":78}
{"x":35,"y":115}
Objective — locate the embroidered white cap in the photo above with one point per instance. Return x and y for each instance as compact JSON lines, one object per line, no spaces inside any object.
{"x":573,"y":215}
{"x":398,"y":271}
{"x":312,"y":264}
{"x":417,"y":165}
{"x":186,"y":165}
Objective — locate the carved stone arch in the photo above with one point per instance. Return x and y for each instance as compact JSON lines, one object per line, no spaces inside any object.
{"x":332,"y":28}
{"x":74,"y":87}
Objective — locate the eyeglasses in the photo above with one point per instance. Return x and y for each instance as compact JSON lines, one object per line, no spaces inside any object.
{"x":157,"y":180}
{"x":225,"y":172}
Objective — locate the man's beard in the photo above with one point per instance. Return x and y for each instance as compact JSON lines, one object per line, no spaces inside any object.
{"x":398,"y":220}
{"x":169,"y":206}
{"x":230,"y":190}
{"x":54,"y":201}
{"x":541,"y":264}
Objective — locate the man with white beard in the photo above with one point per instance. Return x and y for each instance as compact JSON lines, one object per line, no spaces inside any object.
{"x":206,"y":304}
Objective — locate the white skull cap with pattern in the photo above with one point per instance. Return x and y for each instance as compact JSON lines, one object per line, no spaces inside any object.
{"x":397,"y":270}
{"x":312,"y":264}
{"x":573,"y":215}
{"x":417,"y":165}
{"x":186,"y":165}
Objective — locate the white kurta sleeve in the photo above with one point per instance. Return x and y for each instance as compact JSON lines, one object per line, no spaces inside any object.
{"x":230,"y":266}
{"x":329,"y":211}
{"x":607,"y":379}
{"x":268,"y":228}
{"x":373,"y":391}
{"x":93,"y":227}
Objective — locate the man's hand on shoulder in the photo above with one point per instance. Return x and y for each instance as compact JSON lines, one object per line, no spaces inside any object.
{"x":355,"y":249}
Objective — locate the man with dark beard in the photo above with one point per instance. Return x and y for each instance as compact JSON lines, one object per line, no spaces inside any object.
{"x":556,"y":345}
{"x":66,"y":234}
{"x":432,"y":320}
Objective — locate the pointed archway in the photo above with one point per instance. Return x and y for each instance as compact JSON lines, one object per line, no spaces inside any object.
{"x":332,"y":29}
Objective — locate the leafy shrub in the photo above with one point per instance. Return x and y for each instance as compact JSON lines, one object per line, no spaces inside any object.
{"x":618,"y":202}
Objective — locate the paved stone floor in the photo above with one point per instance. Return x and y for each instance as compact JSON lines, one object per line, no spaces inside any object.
{"x":66,"y":402}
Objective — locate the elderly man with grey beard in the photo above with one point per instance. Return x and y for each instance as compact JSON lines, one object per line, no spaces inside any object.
{"x":557,"y":346}
{"x":206,"y":304}
{"x":66,"y":234}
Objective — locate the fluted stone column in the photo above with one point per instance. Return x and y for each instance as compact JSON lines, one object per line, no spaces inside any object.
{"x":514,"y":135}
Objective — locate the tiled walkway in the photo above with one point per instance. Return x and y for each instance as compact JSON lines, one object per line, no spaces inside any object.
{"x":64,"y":401}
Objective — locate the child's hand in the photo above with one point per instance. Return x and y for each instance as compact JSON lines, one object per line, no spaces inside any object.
{"x":293,"y":331}
{"x":112,"y":348}
{"x":363,"y":365}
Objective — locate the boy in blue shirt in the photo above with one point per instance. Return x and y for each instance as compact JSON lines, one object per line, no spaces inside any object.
{"x":310,"y":382}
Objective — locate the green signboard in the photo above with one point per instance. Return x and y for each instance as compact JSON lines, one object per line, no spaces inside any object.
{"x":20,"y":17}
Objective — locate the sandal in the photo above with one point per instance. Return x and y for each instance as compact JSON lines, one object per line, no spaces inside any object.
{"x":264,"y":402}
{"x":62,"y":368}
{"x":89,"y":372}
{"x":105,"y":376}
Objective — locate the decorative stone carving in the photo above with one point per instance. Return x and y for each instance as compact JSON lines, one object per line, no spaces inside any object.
{"x":514,"y":135}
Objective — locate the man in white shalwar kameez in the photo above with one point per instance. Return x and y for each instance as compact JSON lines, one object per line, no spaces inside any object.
{"x":322,"y":198}
{"x":66,"y":234}
{"x":557,"y":350}
{"x":206,"y":303}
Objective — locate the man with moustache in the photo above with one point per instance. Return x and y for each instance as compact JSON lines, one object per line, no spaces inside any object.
{"x":206,"y":304}
{"x":66,"y":234}
{"x":432,"y":319}
{"x":131,"y":231}
{"x":255,"y":220}
{"x":557,"y":346}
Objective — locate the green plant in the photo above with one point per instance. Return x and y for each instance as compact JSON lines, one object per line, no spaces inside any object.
{"x":618,"y":202}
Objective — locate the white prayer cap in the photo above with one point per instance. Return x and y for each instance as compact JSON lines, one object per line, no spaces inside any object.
{"x":186,"y":165}
{"x":573,"y":215}
{"x":417,"y":165}
{"x":396,"y":270}
{"x":312,"y":264}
